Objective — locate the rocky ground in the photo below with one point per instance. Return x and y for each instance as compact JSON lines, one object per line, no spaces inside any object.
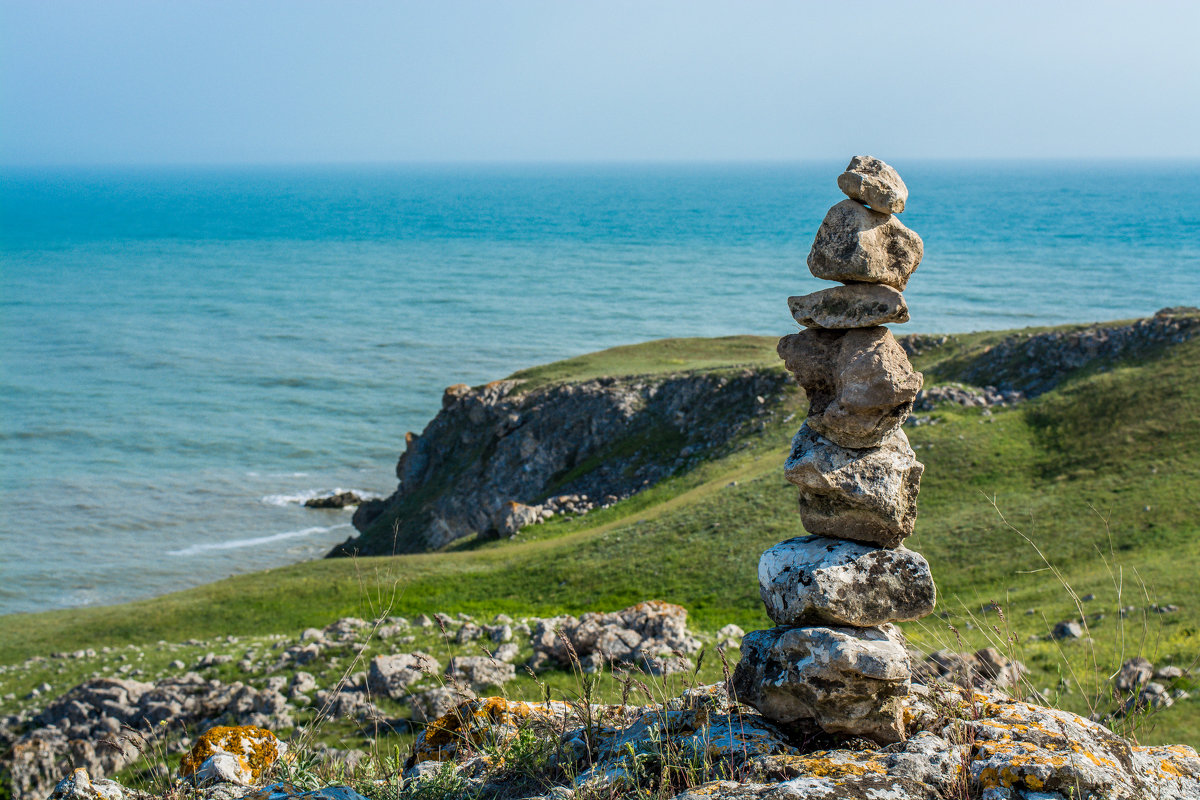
{"x":333,"y":693}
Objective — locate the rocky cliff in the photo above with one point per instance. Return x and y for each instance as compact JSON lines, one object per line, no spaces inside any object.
{"x":503,"y":455}
{"x":571,"y":446}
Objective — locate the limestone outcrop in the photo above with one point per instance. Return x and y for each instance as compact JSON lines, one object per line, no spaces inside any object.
{"x":494,"y":458}
{"x":836,"y":660}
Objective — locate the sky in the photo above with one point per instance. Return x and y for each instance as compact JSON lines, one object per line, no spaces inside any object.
{"x":295,"y":81}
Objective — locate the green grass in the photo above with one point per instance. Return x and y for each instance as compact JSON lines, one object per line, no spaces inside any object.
{"x":1102,"y":474}
{"x":655,"y":358}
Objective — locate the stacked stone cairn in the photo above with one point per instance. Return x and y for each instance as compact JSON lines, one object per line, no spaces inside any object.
{"x":835,"y":660}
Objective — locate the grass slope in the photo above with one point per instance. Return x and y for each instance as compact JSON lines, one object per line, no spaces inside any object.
{"x":1101,"y":474}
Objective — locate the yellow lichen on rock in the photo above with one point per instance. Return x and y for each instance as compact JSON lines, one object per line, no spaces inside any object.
{"x":253,"y":750}
{"x":476,"y":721}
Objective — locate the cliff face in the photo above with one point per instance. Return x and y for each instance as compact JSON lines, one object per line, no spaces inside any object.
{"x":605,"y":438}
{"x":608,"y":438}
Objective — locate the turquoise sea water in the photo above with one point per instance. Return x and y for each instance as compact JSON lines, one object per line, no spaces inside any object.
{"x":185,"y":354}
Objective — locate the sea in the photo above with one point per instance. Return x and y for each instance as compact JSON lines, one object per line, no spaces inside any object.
{"x":187,"y":354}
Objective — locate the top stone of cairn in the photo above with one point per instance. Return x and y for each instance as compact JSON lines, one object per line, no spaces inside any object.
{"x":872,"y":182}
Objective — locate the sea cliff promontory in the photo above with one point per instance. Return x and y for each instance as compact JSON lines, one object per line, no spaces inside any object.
{"x":563,"y":440}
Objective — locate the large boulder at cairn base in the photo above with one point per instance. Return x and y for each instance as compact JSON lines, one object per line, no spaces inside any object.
{"x":871,"y":181}
{"x":846,"y":680}
{"x":812,"y":579}
{"x":857,"y":245}
{"x":855,"y":305}
{"x":867,"y":495}
{"x":860,"y":384}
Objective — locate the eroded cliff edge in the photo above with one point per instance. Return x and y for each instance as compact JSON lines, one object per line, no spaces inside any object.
{"x":596,"y":441}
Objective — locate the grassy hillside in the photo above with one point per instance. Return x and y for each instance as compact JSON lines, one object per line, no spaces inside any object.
{"x":1098,"y":480}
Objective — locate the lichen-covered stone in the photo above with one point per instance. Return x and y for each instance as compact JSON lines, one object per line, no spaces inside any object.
{"x":857,"y":245}
{"x":871,"y":181}
{"x":866,"y":495}
{"x":1021,"y":748}
{"x":855,"y":305}
{"x":860,"y":384}
{"x":817,"y":580}
{"x":846,"y":680}
{"x":80,"y":786}
{"x":240,"y":754}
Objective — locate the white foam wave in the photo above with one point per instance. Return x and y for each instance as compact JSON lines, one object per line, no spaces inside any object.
{"x":301,"y":498}
{"x":237,"y":544}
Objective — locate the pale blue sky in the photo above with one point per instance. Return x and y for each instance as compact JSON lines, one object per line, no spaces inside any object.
{"x":177,"y":81}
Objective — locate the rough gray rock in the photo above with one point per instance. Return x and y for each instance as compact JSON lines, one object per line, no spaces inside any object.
{"x":641,"y":636}
{"x":987,"y":669}
{"x":815,"y":580}
{"x":871,"y":181}
{"x":857,"y":245}
{"x":513,"y":516}
{"x":1134,"y":674}
{"x":479,"y":671}
{"x":966,"y":396}
{"x":1034,"y":363}
{"x":438,"y":701}
{"x":859,"y":382}
{"x":80,"y":786}
{"x":867,"y":495}
{"x":856,"y":305}
{"x":1020,"y":746}
{"x":1067,"y":629}
{"x":846,"y":680}
{"x":79,"y":727}
{"x":390,"y":676}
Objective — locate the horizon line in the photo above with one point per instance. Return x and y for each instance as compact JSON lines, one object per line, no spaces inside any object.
{"x":582,"y":162}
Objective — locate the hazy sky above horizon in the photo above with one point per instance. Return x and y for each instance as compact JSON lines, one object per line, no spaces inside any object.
{"x":293,"y":81}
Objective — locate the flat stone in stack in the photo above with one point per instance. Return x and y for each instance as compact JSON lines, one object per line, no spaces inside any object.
{"x":835,"y":659}
{"x":854,"y":305}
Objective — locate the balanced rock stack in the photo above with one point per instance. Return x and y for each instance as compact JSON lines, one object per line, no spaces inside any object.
{"x":835,"y":658}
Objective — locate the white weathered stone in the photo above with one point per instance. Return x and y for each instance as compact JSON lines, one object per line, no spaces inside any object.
{"x":871,"y":181}
{"x":855,"y":305}
{"x":857,"y":245}
{"x":846,"y":680}
{"x":867,"y":495}
{"x":224,"y":768}
{"x":80,"y":786}
{"x":816,"y":580}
